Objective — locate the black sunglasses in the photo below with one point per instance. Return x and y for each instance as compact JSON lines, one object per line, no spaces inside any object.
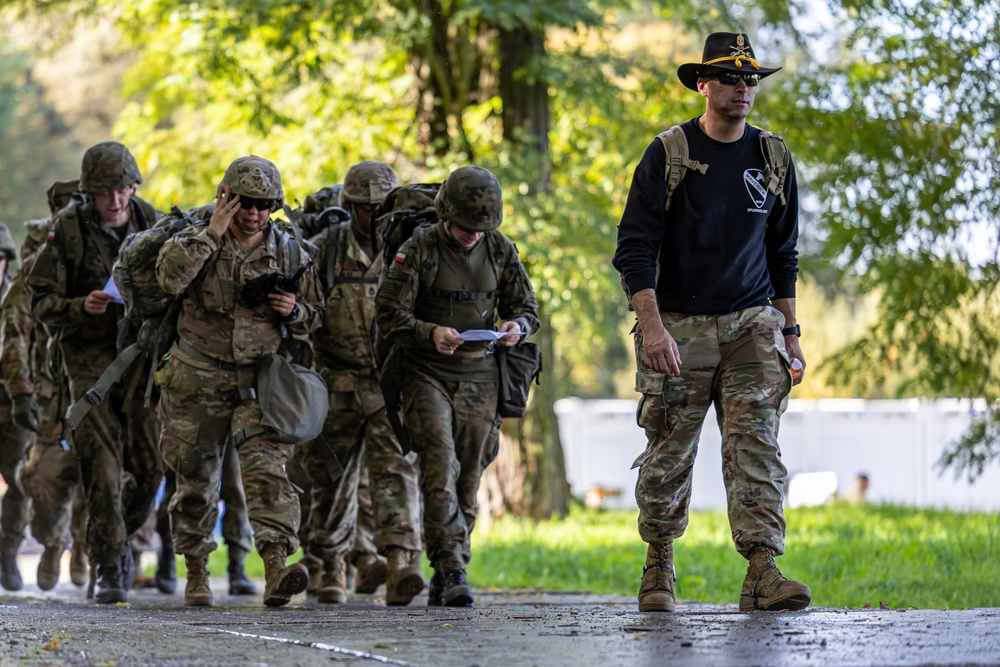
{"x":730,"y":79}
{"x":247,"y":203}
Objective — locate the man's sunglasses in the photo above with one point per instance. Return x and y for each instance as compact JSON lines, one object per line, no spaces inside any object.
{"x":247,"y":203}
{"x":730,"y":79}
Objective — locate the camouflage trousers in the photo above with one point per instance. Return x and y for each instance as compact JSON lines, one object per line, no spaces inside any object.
{"x":201,"y":409}
{"x":364,"y":537}
{"x":50,"y":475}
{"x":120,"y":468}
{"x":16,"y":506}
{"x":236,"y":531}
{"x":738,"y":363}
{"x":455,"y":431}
{"x":357,"y":433}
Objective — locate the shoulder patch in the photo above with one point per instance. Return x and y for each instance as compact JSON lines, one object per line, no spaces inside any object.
{"x":51,"y":235}
{"x":400,"y":257}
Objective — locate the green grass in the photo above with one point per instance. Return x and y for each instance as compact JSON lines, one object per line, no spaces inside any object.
{"x":849,"y":555}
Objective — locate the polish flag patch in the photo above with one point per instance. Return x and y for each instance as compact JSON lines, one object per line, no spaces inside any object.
{"x":400,"y":258}
{"x":51,"y":235}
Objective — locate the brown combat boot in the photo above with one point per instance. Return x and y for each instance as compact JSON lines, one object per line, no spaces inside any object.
{"x":198,"y":593}
{"x":403,"y":580}
{"x":281,"y":582}
{"x":333,"y":589}
{"x":656,"y":592}
{"x":48,"y":567}
{"x":79,"y":567}
{"x":766,"y":589}
{"x":314,"y":567}
{"x":371,"y":573}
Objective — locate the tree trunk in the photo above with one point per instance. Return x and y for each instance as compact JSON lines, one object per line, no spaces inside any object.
{"x":529,"y":475}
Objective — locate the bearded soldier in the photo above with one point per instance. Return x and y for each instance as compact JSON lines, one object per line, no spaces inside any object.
{"x":459,"y":274}
{"x":357,"y":429}
{"x":209,"y":383}
{"x":117,"y":439}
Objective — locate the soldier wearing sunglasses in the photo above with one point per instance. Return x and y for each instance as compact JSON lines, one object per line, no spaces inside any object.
{"x":708,"y":258}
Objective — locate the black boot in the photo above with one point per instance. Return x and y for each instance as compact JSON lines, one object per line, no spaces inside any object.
{"x":128,"y":567}
{"x":10,"y":576}
{"x":110,"y":588}
{"x":239,"y":582}
{"x":435,"y":590}
{"x":457,"y":592}
{"x":166,"y":570}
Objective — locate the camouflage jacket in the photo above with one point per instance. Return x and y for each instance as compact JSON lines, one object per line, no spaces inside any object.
{"x":421,"y":290}
{"x":22,"y":343}
{"x":222,"y":327}
{"x":76,"y":260}
{"x":343,"y":345}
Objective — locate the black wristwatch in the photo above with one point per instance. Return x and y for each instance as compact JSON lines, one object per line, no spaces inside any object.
{"x":792,"y":330}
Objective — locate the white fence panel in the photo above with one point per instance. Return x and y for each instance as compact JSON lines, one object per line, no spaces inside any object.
{"x":896,"y":443}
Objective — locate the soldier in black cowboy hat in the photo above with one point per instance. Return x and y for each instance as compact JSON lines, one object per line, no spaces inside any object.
{"x":706,"y":250}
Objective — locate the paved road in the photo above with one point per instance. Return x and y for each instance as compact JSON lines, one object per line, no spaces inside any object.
{"x":508,"y":629}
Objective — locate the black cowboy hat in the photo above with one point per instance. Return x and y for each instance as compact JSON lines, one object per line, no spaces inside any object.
{"x":723,"y":51}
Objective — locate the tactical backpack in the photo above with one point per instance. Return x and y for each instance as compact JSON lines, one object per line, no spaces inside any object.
{"x":320,"y":210}
{"x":678,"y":161}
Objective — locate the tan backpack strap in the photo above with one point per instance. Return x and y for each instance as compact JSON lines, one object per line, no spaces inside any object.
{"x":776,"y":161}
{"x":678,"y":161}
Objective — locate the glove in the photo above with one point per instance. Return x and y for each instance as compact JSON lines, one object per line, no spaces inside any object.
{"x":25,"y":413}
{"x":255,"y":291}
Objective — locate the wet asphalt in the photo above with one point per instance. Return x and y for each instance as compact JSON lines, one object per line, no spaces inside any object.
{"x":504,"y":628}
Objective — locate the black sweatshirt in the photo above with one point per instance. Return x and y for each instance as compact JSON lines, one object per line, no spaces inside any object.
{"x":723,"y":246}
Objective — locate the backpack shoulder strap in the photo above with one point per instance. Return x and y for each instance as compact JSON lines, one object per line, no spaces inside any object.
{"x":333,"y":240}
{"x":288,"y":248}
{"x":776,"y":162}
{"x":678,"y":160}
{"x":73,"y":240}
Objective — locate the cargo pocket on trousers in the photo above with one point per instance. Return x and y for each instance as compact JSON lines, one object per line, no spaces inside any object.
{"x":179,"y":446}
{"x":650,"y":414}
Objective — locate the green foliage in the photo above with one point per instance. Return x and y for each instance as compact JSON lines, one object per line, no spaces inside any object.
{"x":850,"y":556}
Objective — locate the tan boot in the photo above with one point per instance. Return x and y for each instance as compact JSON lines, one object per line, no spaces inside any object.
{"x":656,"y":592}
{"x":78,"y":566}
{"x":314,"y":566}
{"x":281,"y":582}
{"x":371,"y":573}
{"x":198,"y":593}
{"x":766,"y":589}
{"x":333,"y":590}
{"x":48,"y":567}
{"x":403,"y":580}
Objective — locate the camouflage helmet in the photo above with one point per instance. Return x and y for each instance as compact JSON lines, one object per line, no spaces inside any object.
{"x":368,"y":182}
{"x":7,"y":246}
{"x":254,"y":177}
{"x":471,"y":199}
{"x":108,"y":166}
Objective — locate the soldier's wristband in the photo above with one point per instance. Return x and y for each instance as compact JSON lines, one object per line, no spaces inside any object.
{"x":792,"y":330}
{"x":292,"y":316}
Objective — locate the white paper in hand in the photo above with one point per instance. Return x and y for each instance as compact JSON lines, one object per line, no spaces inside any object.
{"x":482,"y":334}
{"x":111,"y":289}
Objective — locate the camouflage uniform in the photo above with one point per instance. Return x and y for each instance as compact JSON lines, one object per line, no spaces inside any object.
{"x":116,"y":441}
{"x":449,"y":402}
{"x":208,"y":383}
{"x":13,"y":442}
{"x":50,"y":474}
{"x":236,"y":530}
{"x":357,"y":429}
{"x":710,"y":264}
